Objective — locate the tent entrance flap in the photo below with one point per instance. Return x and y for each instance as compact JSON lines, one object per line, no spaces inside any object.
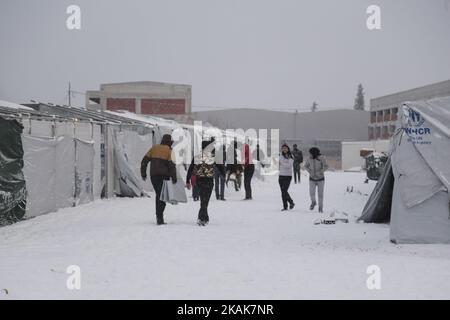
{"x":378,"y":207}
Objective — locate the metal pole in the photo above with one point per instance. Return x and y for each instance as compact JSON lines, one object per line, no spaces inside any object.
{"x":70,"y":93}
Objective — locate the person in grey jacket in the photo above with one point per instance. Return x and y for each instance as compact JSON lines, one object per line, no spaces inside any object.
{"x":316,"y":165}
{"x":285,"y":177}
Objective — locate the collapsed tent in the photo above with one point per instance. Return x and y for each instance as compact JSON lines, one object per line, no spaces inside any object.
{"x":413,"y":192}
{"x":12,"y":181}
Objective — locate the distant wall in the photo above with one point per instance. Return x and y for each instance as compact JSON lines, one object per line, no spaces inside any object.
{"x":342,"y":125}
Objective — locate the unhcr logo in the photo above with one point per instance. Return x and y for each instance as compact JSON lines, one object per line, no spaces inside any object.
{"x":413,"y":125}
{"x":414,"y":118}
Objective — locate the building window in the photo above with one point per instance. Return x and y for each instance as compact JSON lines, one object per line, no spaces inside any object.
{"x":385,"y":132}
{"x":371,"y":133}
{"x":394,"y":115}
{"x":373,"y":117}
{"x":387,"y":115}
{"x":377,"y":132}
{"x":380,"y":116}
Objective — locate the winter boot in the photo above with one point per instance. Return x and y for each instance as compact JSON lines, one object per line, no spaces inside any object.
{"x":312,"y":206}
{"x":291,"y":205}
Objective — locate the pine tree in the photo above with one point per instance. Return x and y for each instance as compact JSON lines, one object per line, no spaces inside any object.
{"x":314,"y":106}
{"x":359,"y":100}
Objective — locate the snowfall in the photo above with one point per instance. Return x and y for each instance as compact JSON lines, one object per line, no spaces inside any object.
{"x":250,"y":250}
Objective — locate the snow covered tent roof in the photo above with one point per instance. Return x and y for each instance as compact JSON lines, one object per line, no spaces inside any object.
{"x":83,"y":114}
{"x":154,"y":121}
{"x":419,"y":210}
{"x":11,"y":105}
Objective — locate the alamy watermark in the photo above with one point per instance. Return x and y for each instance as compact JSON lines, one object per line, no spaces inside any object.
{"x":228,"y":146}
{"x":373,"y":21}
{"x":373,"y":282}
{"x":73,"y":21}
{"x":73,"y":282}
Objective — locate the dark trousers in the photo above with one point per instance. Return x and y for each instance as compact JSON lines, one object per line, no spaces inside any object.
{"x":219,"y":182}
{"x":285,"y":182}
{"x":157,"y":182}
{"x":248,"y":175}
{"x":297,"y":173}
{"x":195,"y":192}
{"x":205,"y":188}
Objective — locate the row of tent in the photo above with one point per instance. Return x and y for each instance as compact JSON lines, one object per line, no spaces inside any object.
{"x":53,"y":157}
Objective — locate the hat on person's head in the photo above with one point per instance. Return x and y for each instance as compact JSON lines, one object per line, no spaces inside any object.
{"x":167,"y":140}
{"x":315,"y":152}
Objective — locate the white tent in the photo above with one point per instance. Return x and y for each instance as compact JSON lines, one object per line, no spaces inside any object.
{"x":419,"y":211}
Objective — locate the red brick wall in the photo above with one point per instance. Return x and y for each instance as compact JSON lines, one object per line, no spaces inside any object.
{"x":121,"y":104}
{"x":163,"y":106}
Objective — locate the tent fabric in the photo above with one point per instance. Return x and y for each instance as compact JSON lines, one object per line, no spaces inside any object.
{"x":99,"y":157}
{"x":84,"y":171}
{"x":50,"y":173}
{"x":416,"y":181}
{"x":420,"y":205}
{"x":135,"y":147}
{"x":12,"y":180}
{"x":378,"y":206}
{"x":427,"y":222}
{"x":421,"y":167}
{"x":59,"y":173}
{"x":127,"y":182}
{"x":422,"y":161}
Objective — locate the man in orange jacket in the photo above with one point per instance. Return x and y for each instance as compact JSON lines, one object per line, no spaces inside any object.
{"x":161,"y":168}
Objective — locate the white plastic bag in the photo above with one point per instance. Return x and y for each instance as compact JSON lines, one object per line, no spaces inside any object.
{"x":173,"y":193}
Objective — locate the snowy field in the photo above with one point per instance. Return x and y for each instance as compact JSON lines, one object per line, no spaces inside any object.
{"x":250,"y":250}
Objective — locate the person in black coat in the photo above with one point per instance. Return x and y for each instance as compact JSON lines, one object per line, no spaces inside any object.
{"x":298,"y":159}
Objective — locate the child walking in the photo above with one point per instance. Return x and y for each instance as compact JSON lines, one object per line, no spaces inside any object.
{"x":316,"y":166}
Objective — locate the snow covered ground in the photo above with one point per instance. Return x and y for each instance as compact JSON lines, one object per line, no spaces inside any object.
{"x":250,"y":250}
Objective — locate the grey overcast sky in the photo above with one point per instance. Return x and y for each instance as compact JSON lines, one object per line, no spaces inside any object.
{"x":235,"y":53}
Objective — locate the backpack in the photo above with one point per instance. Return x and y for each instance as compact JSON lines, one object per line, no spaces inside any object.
{"x":204,"y":166}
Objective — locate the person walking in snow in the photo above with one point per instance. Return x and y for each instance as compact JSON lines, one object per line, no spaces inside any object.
{"x":161,"y":168}
{"x":203,"y":166}
{"x":316,"y":166}
{"x":249,"y":170}
{"x":285,"y":176}
{"x":219,"y":177}
{"x":298,"y":159}
{"x":233,"y":167}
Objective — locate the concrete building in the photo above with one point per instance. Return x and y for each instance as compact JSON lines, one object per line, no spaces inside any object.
{"x":324,"y":129}
{"x":384,"y":110}
{"x":173,"y":101}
